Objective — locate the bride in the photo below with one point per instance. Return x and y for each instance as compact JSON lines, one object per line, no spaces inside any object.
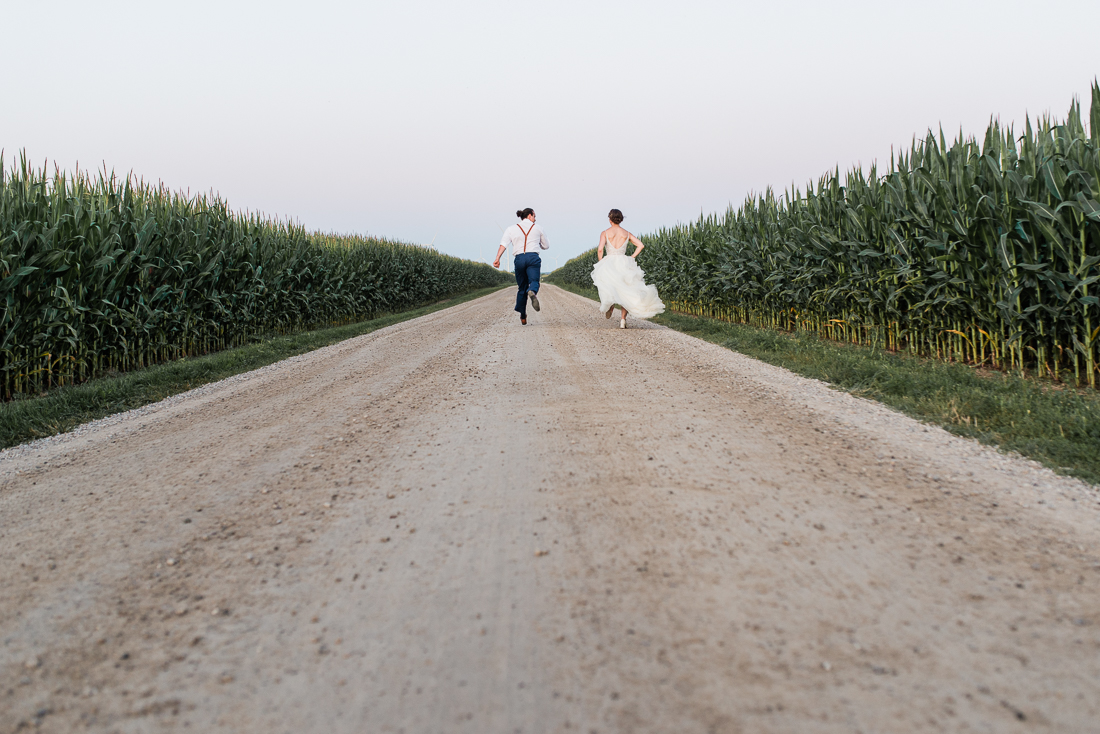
{"x":618,"y":277}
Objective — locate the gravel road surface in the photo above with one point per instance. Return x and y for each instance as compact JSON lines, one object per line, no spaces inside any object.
{"x":458,"y":524}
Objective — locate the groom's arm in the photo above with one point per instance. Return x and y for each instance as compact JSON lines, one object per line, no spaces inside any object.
{"x":544,"y":244}
{"x":505,"y":241}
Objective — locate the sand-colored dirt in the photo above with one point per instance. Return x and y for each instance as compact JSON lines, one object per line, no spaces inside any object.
{"x":458,"y":524}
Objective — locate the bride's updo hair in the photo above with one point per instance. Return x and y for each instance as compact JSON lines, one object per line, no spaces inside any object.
{"x":615,"y":216}
{"x":524,"y":213}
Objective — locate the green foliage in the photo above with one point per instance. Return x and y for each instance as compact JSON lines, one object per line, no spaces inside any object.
{"x":65,"y":408}
{"x":101,"y":274}
{"x":577,"y":271}
{"x":987,"y":253}
{"x":1056,"y":425}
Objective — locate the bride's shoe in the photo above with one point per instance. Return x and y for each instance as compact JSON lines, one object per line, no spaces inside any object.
{"x":607,"y":314}
{"x":622,"y":323}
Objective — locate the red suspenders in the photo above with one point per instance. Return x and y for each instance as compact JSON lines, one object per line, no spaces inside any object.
{"x":532,"y":229}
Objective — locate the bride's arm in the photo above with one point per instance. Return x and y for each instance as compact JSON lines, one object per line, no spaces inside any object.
{"x":599,"y":247}
{"x":638,"y":246}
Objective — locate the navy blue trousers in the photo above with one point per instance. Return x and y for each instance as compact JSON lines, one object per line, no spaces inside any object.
{"x":528,"y":267}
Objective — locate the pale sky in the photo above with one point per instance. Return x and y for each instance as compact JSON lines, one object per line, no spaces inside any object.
{"x":421,"y":120}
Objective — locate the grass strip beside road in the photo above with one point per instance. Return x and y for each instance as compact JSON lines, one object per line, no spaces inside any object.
{"x":1056,"y":425}
{"x":63,"y":409}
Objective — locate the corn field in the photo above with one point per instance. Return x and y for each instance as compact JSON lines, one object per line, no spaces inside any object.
{"x":982,"y":252}
{"x":101,"y":274}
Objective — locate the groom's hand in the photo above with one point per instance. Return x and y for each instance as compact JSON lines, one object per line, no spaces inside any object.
{"x":496,"y":263}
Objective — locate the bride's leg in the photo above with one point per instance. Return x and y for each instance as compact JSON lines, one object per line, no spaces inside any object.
{"x":624,"y":313}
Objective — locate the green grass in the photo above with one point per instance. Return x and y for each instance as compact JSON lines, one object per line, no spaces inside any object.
{"x":65,"y":408}
{"x":1053,"y":424}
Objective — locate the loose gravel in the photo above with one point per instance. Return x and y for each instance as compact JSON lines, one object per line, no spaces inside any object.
{"x":461,"y":524}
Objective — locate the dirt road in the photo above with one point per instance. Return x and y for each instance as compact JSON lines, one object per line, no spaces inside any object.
{"x":458,"y":524}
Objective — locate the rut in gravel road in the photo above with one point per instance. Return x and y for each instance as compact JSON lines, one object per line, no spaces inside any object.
{"x":458,"y":524}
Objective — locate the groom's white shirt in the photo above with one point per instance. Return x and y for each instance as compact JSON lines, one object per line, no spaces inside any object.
{"x":513,"y":237}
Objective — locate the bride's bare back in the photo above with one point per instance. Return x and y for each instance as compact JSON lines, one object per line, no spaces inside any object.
{"x":616,"y":238}
{"x":618,"y":278}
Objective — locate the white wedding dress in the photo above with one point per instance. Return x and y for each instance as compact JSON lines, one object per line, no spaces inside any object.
{"x":621,"y":282}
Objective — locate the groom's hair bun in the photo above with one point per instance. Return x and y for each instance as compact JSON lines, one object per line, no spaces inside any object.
{"x":524,"y":213}
{"x":615,"y":216}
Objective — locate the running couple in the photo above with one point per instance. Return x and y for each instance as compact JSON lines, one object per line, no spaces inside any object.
{"x":616,"y":275}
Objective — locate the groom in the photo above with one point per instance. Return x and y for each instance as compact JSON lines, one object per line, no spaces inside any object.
{"x":526,"y":239}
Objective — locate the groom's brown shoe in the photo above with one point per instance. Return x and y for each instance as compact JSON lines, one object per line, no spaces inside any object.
{"x":523,"y":321}
{"x":534,"y":300}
